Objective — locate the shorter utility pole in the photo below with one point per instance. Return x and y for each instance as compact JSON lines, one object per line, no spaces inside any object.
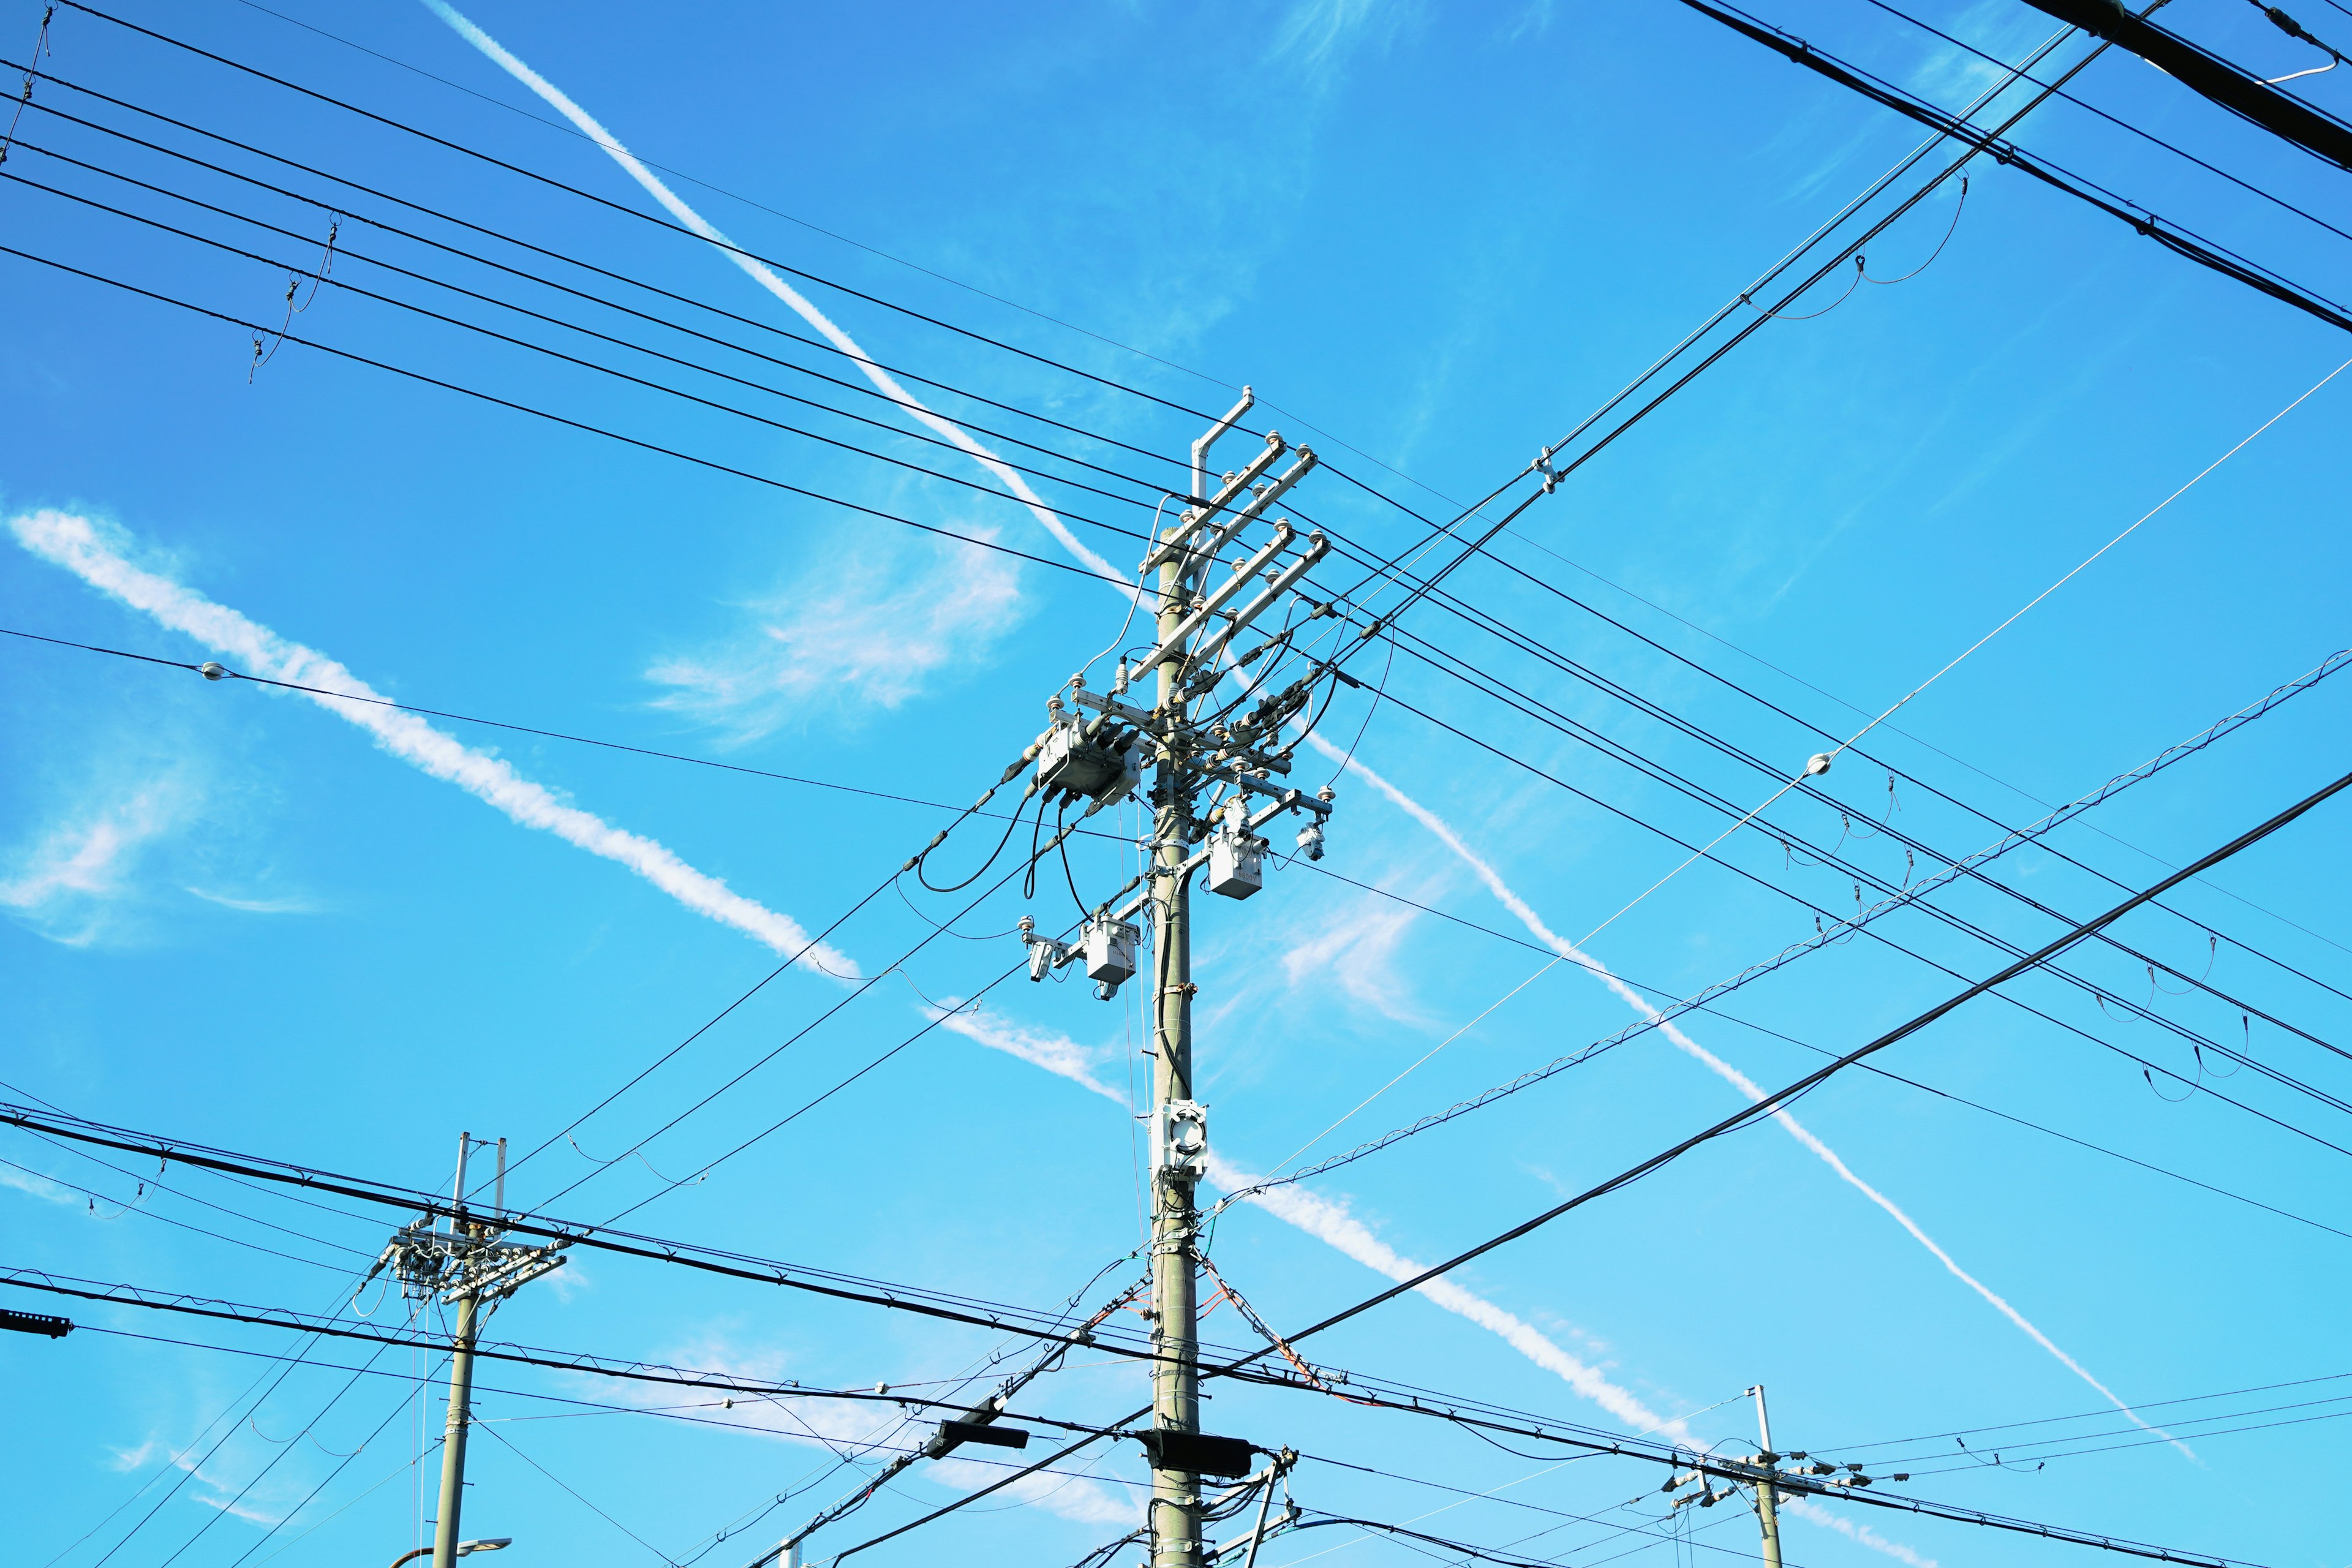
{"x":1767,"y":1502}
{"x":466,"y":1265}
{"x":1819,"y":1480}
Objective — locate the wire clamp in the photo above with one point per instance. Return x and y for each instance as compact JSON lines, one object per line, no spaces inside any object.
{"x":1542,"y":465}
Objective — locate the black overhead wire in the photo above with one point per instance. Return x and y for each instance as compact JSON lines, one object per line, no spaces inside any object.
{"x":819,"y":344}
{"x":134,"y":1206}
{"x":1534,"y":708}
{"x":2176,"y":237}
{"x":2105,"y":1412}
{"x":346,"y":286}
{"x":987,"y":490}
{"x":1881,"y":938}
{"x":2117,"y":121}
{"x":983,"y":488}
{"x":972,"y":485}
{"x":1609,"y":687}
{"x":580,"y":426}
{"x":1553,"y":718}
{"x":860,"y":989}
{"x":1749,"y":1115}
{"x":639,"y":214}
{"x":228,"y":674}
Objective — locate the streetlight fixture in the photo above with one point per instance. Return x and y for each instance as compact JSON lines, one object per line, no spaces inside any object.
{"x":465,"y":1548}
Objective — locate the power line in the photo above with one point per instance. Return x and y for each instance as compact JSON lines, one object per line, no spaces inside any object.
{"x":2145,"y":135}
{"x":1771,"y":1102}
{"x":635,"y":213}
{"x":2178,"y":240}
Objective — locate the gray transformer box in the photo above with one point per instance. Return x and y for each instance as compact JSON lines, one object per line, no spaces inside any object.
{"x":1111,"y":950}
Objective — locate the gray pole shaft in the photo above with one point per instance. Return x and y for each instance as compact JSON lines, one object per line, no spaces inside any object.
{"x":1175,"y":1518}
{"x":452,"y":1439}
{"x":1767,"y":1502}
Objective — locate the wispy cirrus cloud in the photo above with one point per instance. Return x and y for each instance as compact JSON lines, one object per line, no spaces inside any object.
{"x":871,"y":630}
{"x":66,"y":881}
{"x":1356,"y":949}
{"x":292,"y":904}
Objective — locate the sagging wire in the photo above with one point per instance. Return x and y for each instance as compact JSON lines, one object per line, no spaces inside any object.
{"x":637,"y":1155}
{"x":24,"y":94}
{"x":1959,"y":208}
{"x":294,"y":287}
{"x":1850,"y":284}
{"x":950,"y":931}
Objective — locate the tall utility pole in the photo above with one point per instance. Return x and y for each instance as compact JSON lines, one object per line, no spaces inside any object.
{"x":1191,"y":741}
{"x":466,"y":1265}
{"x":1767,"y":1501}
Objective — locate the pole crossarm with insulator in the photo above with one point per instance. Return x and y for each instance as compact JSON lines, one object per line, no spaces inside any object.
{"x":458,"y":1257}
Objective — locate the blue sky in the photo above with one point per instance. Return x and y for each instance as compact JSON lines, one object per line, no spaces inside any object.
{"x":1433,"y":238}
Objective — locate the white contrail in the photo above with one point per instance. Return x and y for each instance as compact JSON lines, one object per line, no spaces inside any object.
{"x":765,"y":277}
{"x":96,"y":557}
{"x":1574,"y":954}
{"x":1812,"y":1512}
{"x":1331,"y":1224}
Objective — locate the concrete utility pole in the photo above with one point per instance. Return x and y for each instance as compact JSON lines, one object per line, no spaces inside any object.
{"x":469,"y":1268}
{"x":1191,"y":741}
{"x":1175,"y":1507}
{"x":1767,"y":1501}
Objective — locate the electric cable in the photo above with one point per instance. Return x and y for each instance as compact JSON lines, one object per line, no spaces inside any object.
{"x":2176,"y":237}
{"x":637,"y":214}
{"x":1555,"y":719}
{"x":994,"y":492}
{"x":1534,"y":1076}
{"x":2143,"y":134}
{"x":134,"y":1207}
{"x":817,"y":343}
{"x":2080,"y":1416}
{"x":654,"y":447}
{"x":1749,"y":1115}
{"x":1908,"y":898}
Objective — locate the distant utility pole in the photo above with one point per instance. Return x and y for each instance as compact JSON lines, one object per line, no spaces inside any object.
{"x":1769,"y":1482}
{"x":1190,"y":743}
{"x":466,"y":1266}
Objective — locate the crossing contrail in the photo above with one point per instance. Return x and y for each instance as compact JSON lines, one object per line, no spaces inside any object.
{"x":96,"y":555}
{"x":765,"y":277}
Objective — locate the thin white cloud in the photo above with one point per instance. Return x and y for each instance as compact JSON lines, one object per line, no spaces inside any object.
{"x":99,"y":556}
{"x":41,"y":1187}
{"x":766,"y":278}
{"x":868,"y":632}
{"x":291,"y":905}
{"x":1315,"y":36}
{"x":63,"y":879}
{"x":1356,"y":949}
{"x":1812,"y":1512}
